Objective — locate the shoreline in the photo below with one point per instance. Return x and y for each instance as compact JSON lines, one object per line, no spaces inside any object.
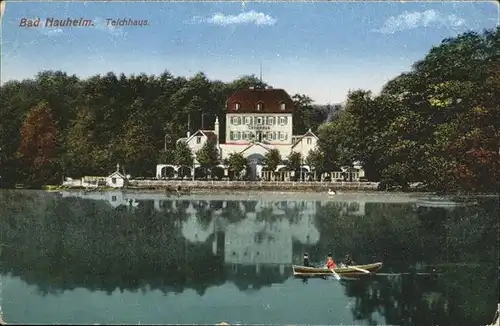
{"x":279,"y":186}
{"x":186,"y":187}
{"x":426,"y":199}
{"x":254,"y":195}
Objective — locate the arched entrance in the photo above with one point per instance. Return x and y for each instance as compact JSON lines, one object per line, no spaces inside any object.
{"x":184,"y":172}
{"x":168,"y":172}
{"x":254,"y":161}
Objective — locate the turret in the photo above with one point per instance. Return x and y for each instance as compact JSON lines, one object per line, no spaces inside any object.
{"x":216,"y":129}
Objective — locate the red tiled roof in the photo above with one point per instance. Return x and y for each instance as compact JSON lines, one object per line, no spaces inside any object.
{"x":270,"y":98}
{"x":210,"y":135}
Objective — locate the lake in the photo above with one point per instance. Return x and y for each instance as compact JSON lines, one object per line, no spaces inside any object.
{"x":114,"y":257}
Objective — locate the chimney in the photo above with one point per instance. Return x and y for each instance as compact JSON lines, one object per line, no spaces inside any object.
{"x":216,"y":128}
{"x":188,"y":134}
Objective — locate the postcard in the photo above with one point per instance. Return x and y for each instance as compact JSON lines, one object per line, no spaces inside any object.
{"x":249,"y":162}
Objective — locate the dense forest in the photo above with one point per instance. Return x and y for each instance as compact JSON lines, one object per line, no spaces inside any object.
{"x":437,"y":124}
{"x":58,"y":125}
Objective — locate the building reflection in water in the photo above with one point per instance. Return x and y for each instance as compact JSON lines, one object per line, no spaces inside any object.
{"x":248,"y":234}
{"x":118,"y":240}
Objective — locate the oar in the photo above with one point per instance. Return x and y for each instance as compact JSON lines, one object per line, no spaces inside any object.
{"x":1,"y":320}
{"x":337,"y":277}
{"x":360,"y":269}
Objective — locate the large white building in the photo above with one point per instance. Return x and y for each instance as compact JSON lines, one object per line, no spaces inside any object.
{"x":257,"y":120}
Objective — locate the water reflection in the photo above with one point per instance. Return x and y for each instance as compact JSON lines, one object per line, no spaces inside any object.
{"x":145,"y":242}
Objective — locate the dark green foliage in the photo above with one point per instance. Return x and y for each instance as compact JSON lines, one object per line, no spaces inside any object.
{"x":109,"y":119}
{"x":236,"y":163}
{"x":183,"y":155}
{"x":272,"y":160}
{"x":208,"y":156}
{"x":439,"y":123}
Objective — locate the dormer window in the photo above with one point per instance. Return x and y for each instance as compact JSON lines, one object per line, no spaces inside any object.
{"x":282,"y":106}
{"x":259,"y":106}
{"x":236,"y":106}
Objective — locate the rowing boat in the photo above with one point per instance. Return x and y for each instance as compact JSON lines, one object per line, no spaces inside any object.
{"x":348,"y":271}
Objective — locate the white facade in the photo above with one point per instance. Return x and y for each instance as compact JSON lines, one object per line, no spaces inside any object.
{"x":278,"y":136}
{"x":86,"y":182}
{"x":193,"y":230}
{"x":113,"y":198}
{"x":254,"y":127}
{"x":252,"y":149}
{"x":254,"y":246}
{"x":199,"y":138}
{"x":252,"y":241}
{"x":305,"y":144}
{"x":267,"y":128}
{"x":116,"y":180}
{"x":264,"y":237}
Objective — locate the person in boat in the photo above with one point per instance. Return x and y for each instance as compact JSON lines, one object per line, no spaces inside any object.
{"x":330,"y":263}
{"x":348,"y":261}
{"x":307,"y":263}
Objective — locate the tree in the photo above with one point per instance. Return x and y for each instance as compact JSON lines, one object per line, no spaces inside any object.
{"x":307,"y":116}
{"x":294,"y":163}
{"x":217,"y":172}
{"x":38,"y":146}
{"x":438,"y":123}
{"x":316,"y":160}
{"x":139,"y":152}
{"x":208,"y":156}
{"x":83,"y":155}
{"x":15,"y":102}
{"x":236,"y":163}
{"x":271,"y":160}
{"x":112,"y":118}
{"x":244,"y":82}
{"x":331,"y":142}
{"x":183,"y":155}
{"x":167,"y":157}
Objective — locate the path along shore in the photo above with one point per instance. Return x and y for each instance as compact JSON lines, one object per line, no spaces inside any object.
{"x":253,"y":185}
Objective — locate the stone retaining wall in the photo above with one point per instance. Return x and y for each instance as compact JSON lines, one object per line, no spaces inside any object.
{"x":254,"y":185}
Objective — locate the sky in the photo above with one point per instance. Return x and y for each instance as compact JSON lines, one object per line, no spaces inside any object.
{"x":321,"y":49}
